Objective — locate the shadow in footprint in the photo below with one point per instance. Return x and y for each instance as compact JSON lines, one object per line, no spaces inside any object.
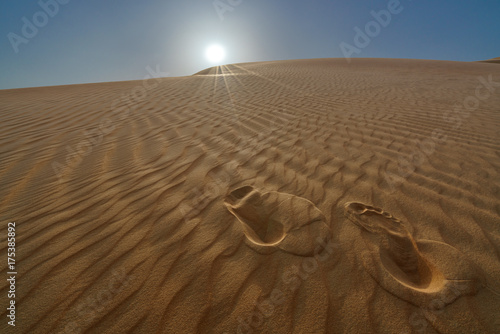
{"x":425,"y":273}
{"x":274,"y":220}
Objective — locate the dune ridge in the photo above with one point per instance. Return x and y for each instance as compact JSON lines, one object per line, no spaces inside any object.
{"x":492,"y":60}
{"x":128,"y":220}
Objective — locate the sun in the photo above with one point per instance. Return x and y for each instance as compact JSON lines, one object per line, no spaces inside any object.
{"x":215,"y":53}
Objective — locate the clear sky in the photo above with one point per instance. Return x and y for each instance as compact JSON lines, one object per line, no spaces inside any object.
{"x":95,"y":40}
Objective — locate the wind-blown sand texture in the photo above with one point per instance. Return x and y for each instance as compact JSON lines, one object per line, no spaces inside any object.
{"x":305,"y":196}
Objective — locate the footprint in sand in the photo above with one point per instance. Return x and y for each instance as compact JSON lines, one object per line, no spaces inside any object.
{"x":274,"y":220}
{"x":425,"y":273}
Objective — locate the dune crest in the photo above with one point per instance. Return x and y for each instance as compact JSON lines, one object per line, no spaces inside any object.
{"x":491,"y":61}
{"x":275,"y":220}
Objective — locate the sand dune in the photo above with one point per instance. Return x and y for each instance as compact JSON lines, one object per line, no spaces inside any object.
{"x":492,"y":60}
{"x":304,"y":196}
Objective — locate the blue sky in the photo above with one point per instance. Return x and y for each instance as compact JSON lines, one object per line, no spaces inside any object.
{"x":96,"y":41}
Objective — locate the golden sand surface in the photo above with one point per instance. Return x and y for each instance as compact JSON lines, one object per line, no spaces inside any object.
{"x":300,"y":196}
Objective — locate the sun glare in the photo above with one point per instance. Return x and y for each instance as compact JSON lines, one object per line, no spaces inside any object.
{"x":215,"y":53}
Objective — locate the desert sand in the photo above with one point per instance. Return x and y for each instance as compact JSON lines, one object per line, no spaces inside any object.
{"x":493,"y":60}
{"x":301,"y":196}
